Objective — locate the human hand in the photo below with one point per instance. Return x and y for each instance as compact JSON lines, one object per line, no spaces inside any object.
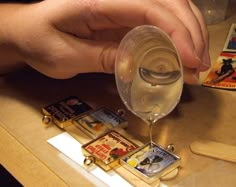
{"x":63,"y":38}
{"x":192,"y":19}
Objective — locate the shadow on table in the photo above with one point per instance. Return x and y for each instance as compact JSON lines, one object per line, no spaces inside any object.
{"x":193,"y":118}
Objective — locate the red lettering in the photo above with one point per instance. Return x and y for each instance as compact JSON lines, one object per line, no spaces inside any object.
{"x":91,"y":149}
{"x":100,"y":155}
{"x":106,"y":146}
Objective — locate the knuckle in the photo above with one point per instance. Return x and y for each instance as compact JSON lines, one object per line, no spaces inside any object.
{"x":107,"y":58}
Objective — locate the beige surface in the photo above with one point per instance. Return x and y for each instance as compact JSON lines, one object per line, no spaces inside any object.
{"x":203,"y":113}
{"x":24,"y":165}
{"x":214,"y":149}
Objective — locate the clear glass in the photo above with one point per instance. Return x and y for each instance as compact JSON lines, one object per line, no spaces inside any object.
{"x":148,"y":73}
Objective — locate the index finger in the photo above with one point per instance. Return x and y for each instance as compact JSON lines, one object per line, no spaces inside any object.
{"x":120,"y":13}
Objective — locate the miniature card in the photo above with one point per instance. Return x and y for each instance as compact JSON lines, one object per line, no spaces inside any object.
{"x":150,"y":162}
{"x":63,"y":111}
{"x":98,"y":122}
{"x":109,"y":147}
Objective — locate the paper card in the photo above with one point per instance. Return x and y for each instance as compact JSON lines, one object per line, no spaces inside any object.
{"x":230,"y":43}
{"x":223,"y":73}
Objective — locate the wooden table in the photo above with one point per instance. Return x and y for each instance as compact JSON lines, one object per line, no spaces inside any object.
{"x":203,"y":113}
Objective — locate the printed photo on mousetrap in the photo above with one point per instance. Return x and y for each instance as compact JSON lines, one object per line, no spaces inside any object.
{"x":96,"y":123}
{"x":62,"y":112}
{"x":230,"y":43}
{"x":106,"y":150}
{"x":223,"y":73}
{"x":150,"y":162}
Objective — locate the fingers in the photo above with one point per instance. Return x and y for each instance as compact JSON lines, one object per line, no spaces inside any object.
{"x":206,"y":58}
{"x":84,"y":46}
{"x":189,"y":36}
{"x":147,"y":12}
{"x":184,"y":13}
{"x":192,"y":19}
{"x":191,"y":76}
{"x":103,"y":15}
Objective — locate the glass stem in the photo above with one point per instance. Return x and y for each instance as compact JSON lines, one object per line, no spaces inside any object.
{"x":150,"y":133}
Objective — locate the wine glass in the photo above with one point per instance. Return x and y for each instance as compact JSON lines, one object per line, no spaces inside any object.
{"x":148,"y":72}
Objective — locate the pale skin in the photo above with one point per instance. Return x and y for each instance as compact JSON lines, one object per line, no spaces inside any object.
{"x":66,"y":37}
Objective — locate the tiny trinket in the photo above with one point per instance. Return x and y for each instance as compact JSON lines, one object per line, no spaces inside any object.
{"x":106,"y":150}
{"x":150,"y":162}
{"x":62,"y":112}
{"x":96,"y":123}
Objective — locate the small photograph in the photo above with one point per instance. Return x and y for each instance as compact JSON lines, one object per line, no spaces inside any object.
{"x":98,"y":122}
{"x":93,"y":125}
{"x":223,"y":72}
{"x":230,"y":44}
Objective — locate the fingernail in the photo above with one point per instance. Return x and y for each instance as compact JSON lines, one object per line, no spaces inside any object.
{"x":198,"y":59}
{"x":206,"y":64}
{"x":196,"y":75}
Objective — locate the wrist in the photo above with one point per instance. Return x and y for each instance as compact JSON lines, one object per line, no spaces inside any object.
{"x":10,"y":57}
